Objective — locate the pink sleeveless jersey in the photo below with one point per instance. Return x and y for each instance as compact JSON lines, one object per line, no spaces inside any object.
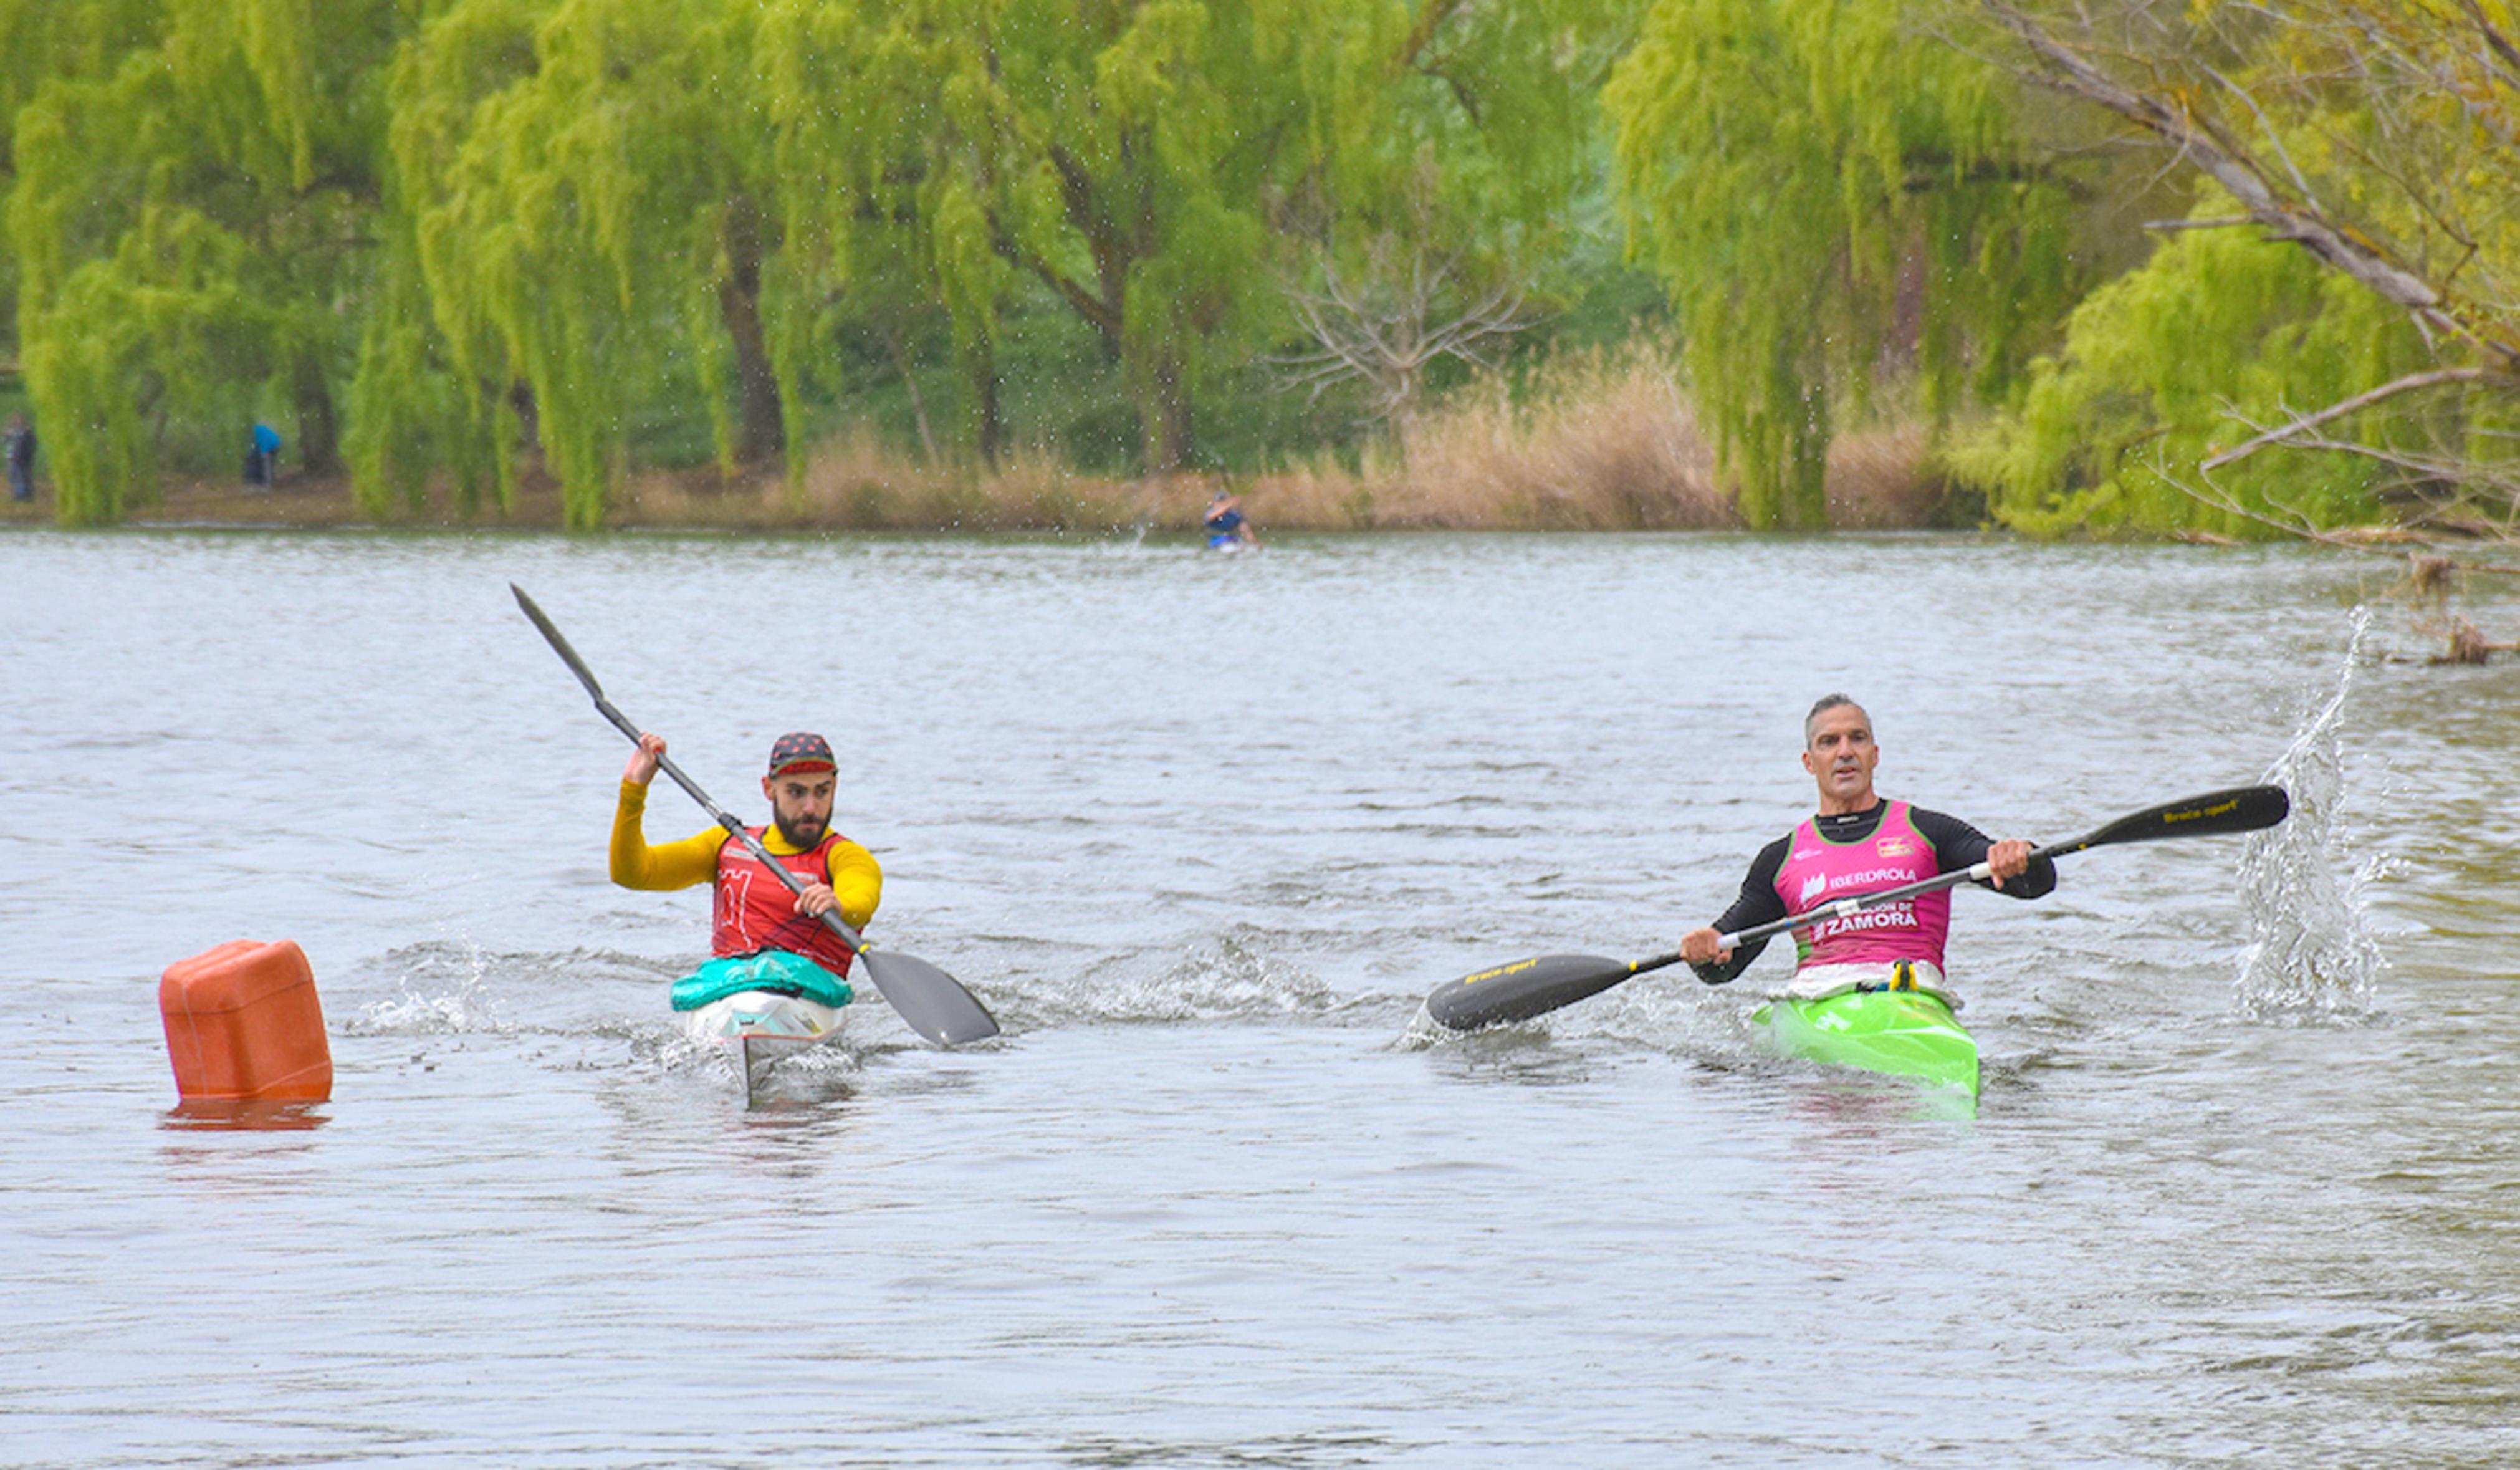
{"x":1818,"y":871}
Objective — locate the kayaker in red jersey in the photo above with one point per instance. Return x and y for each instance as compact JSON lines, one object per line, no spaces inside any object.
{"x":762,"y":936}
{"x":1860,"y":844}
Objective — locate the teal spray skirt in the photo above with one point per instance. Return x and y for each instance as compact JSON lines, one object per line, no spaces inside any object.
{"x":774,"y":971}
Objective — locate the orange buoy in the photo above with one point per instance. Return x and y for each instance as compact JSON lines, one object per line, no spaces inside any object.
{"x":241,"y":1022}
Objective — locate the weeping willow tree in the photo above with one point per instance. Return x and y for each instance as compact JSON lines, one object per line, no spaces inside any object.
{"x":190,"y":229}
{"x":1439,"y":188}
{"x":1121,"y":157}
{"x":586,"y":187}
{"x":880,"y":213}
{"x":1152,"y":166}
{"x":1830,"y":189}
{"x":51,"y":40}
{"x":1445,"y":144}
{"x":534,"y":225}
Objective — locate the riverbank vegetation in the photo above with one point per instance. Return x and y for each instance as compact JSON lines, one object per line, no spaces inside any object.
{"x":2215,"y":269}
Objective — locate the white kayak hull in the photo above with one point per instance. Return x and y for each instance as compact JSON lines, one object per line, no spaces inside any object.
{"x":760,"y":1029}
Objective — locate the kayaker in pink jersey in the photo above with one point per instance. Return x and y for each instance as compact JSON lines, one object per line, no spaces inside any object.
{"x":1860,"y":844}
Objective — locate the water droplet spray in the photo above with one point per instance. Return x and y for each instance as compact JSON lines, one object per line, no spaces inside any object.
{"x":2311,"y":958}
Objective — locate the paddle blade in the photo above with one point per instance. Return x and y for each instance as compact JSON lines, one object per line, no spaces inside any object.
{"x":932,"y":1002}
{"x":560,"y":645}
{"x":2242,"y":809}
{"x":1523,"y":990}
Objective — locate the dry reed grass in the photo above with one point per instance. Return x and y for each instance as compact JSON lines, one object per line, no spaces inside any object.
{"x":1884,"y":479}
{"x":856,"y":483}
{"x":1598,"y":444}
{"x":1594,"y":441}
{"x":1599,"y":441}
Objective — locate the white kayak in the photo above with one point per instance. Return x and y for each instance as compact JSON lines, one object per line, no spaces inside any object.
{"x":761,"y":1029}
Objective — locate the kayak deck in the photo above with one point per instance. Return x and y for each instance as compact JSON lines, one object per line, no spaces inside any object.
{"x":1908,"y":1033}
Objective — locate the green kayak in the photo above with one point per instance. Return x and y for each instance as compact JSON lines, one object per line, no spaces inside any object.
{"x":1898,"y":1032}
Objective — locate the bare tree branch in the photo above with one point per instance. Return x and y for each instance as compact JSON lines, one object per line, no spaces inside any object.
{"x":1387,"y":330}
{"x":2411,"y":382}
{"x":2215,"y":497}
{"x":2196,"y":135}
{"x":2508,"y":73}
{"x":2420,"y":467}
{"x":2274,"y":139}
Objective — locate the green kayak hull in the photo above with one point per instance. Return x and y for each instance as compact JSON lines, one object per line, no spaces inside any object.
{"x":1895,"y":1032}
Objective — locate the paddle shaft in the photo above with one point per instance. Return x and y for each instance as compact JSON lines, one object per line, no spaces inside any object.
{"x":2242,"y":809}
{"x":1840,"y":909}
{"x":1857,"y":905}
{"x":930,"y":1001}
{"x":1532,"y":988}
{"x":561,"y":645}
{"x":735,"y":827}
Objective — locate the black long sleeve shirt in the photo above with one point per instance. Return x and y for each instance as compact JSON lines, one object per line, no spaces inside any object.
{"x":1956,"y":844}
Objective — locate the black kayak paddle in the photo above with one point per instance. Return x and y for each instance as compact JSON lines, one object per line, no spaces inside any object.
{"x":1532,"y":988}
{"x":934,"y":1003}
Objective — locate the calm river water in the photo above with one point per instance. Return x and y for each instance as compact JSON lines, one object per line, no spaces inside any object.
{"x":1202,"y":831}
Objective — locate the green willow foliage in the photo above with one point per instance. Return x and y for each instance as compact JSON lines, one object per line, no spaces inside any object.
{"x":43,"y":40}
{"x":2220,"y":334}
{"x":186,"y":226}
{"x":593,"y":197}
{"x":584,"y":184}
{"x":1150,"y":165}
{"x":1800,"y":170}
{"x":443,"y":240}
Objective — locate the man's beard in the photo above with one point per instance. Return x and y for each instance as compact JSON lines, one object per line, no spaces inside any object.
{"x":801,"y":832}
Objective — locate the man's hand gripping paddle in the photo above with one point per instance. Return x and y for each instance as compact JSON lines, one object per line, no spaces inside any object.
{"x":1532,"y":988}
{"x":932,"y":1002}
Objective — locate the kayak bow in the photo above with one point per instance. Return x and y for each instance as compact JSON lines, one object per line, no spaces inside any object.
{"x":760,"y":1029}
{"x":1908,"y":1033}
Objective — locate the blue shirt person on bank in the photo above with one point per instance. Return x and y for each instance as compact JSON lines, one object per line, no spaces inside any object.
{"x":262,"y":456}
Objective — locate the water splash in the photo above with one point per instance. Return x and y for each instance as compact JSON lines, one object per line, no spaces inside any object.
{"x":1131,"y":544}
{"x":1242,"y":974}
{"x":1711,"y":1028}
{"x":2312,"y":956}
{"x":457,"y":987}
{"x":832,"y":1069}
{"x":1422,"y":1032}
{"x":443,"y":989}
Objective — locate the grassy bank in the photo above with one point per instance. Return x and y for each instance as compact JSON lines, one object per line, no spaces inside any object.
{"x":1591,"y":442}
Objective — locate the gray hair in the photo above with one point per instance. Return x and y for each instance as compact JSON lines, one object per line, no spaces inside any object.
{"x":1828,"y":702}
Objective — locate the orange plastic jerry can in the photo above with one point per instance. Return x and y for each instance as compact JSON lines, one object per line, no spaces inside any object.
{"x":241,"y":1022}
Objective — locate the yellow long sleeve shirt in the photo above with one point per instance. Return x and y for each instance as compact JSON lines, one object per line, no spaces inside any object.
{"x":855,"y":879}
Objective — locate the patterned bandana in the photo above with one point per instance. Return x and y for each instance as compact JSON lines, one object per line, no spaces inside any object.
{"x":800,"y":750}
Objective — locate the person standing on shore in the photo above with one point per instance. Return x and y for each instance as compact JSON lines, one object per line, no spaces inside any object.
{"x":20,"y":440}
{"x":262,"y":457}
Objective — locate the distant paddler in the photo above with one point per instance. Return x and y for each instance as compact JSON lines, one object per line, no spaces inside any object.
{"x":1228,"y":529}
{"x":765,"y":940}
{"x":1860,"y":844}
